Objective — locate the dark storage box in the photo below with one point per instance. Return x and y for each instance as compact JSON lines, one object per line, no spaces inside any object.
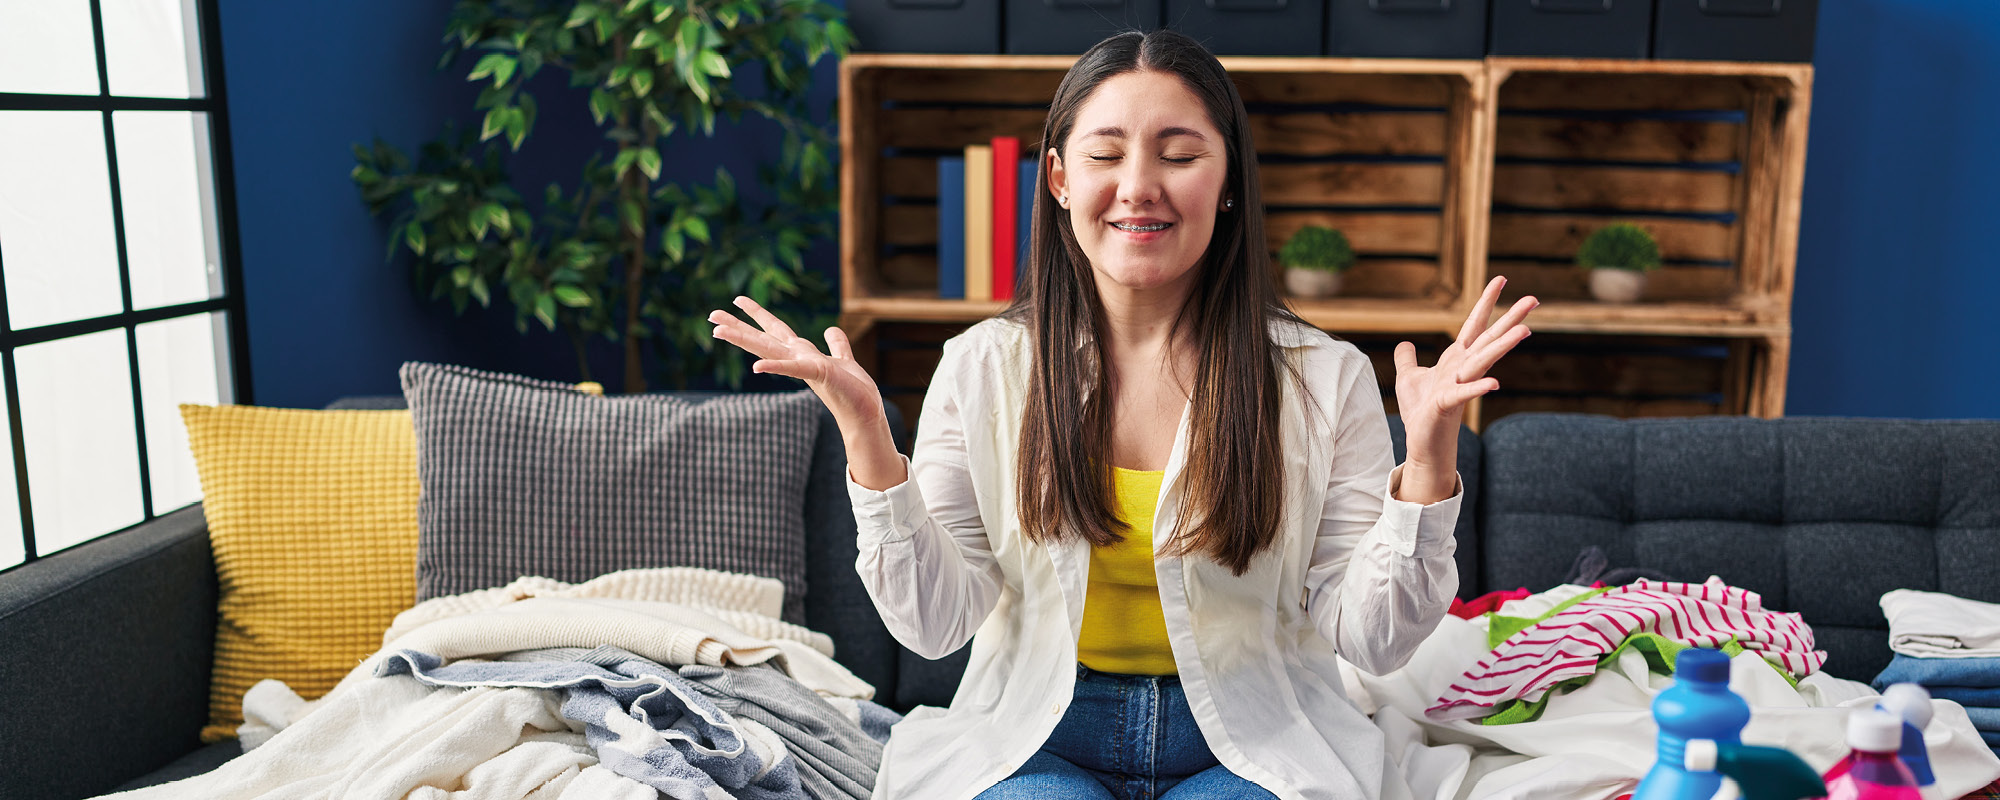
{"x":1069,"y":27}
{"x":1406,"y":28}
{"x":925,"y":26}
{"x":1573,"y":28}
{"x":1735,"y":30}
{"x":1251,"y":27}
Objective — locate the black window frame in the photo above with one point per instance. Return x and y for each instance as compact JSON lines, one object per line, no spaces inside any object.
{"x":221,"y":172}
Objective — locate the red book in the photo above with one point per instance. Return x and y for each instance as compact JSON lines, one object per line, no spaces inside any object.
{"x":1006,"y":197}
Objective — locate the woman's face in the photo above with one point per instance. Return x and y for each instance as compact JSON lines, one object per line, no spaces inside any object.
{"x":1142,"y":173}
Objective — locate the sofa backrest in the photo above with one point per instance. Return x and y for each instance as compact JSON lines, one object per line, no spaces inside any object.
{"x":1820,"y":516}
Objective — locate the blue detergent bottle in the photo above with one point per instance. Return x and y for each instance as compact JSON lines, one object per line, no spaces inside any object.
{"x":1701,"y":741}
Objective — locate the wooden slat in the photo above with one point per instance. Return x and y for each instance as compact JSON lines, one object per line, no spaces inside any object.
{"x":1563,"y":91}
{"x":1567,"y":282}
{"x":1631,"y":189}
{"x":1036,"y":86}
{"x":1518,"y":235}
{"x":1421,"y":91}
{"x":1668,"y":318}
{"x":1530,"y":371}
{"x":1671,"y":141}
{"x":905,"y":271}
{"x":1392,"y":278}
{"x":1500,"y":404}
{"x":1401,"y":234}
{"x":1325,"y":134}
{"x":953,"y":128}
{"x":909,"y":225}
{"x":909,"y":176}
{"x":1358,"y":184}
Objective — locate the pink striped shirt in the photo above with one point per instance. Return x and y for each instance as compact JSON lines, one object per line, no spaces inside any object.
{"x":1569,"y":644}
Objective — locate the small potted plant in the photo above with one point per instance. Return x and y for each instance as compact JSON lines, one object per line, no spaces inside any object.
{"x":1618,"y":256}
{"x":1313,"y":260}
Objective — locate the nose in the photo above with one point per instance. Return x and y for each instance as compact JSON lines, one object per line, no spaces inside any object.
{"x":1141,"y":182}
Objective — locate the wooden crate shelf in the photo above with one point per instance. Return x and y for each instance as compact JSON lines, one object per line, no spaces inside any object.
{"x":1441,"y":172}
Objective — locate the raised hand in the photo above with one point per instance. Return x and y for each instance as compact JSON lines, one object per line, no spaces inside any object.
{"x":836,"y":378}
{"x":1432,"y":399}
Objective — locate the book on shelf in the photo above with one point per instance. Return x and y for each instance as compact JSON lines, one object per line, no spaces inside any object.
{"x":951,"y":228}
{"x":1006,"y":204}
{"x":979,"y":222}
{"x":1025,"y":218}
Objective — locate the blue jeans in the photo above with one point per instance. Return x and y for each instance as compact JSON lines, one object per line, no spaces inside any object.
{"x":1125,"y":737}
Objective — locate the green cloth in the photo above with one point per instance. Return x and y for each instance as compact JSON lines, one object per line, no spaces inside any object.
{"x":1660,"y":651}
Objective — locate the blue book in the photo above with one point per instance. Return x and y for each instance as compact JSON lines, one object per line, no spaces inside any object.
{"x":951,"y":228}
{"x":1025,"y":222}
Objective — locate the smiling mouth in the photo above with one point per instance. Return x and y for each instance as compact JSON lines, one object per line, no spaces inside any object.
{"x":1142,"y":228}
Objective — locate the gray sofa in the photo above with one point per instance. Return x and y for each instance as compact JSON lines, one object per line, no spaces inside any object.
{"x":105,"y":649}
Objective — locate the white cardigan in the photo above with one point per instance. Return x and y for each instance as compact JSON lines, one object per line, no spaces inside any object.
{"x":1353,"y":572}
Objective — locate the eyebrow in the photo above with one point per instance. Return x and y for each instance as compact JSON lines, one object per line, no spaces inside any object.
{"x":1165,"y":133}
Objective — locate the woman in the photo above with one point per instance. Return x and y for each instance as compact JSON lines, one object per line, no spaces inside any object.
{"x":1154,"y":610}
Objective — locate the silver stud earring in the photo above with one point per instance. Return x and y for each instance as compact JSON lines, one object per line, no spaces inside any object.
{"x":1063,"y":201}
{"x":1228,"y":205}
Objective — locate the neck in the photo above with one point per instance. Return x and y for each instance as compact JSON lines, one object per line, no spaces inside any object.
{"x":1141,"y":320}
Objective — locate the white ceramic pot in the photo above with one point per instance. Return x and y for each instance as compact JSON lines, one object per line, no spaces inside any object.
{"x":1617,"y":285}
{"x":1311,"y":282}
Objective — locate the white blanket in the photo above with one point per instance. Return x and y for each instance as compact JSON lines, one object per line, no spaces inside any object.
{"x":395,"y":737}
{"x":1598,"y":741}
{"x":1937,"y":625}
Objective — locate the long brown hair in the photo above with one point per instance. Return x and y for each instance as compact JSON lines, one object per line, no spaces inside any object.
{"x":1234,"y":492}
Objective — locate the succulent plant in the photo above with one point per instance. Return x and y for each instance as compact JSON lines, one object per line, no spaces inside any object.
{"x":1620,"y":245}
{"x":1317,"y":247}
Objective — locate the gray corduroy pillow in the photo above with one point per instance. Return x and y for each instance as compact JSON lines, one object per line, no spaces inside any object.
{"x":528,"y":477}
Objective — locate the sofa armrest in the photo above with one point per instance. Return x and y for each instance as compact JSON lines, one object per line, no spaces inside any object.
{"x":105,"y":652}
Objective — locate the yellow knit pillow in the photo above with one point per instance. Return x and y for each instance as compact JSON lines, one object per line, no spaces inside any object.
{"x":313,"y":519}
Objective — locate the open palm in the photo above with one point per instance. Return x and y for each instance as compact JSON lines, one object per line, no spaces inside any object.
{"x":1432,"y":399}
{"x":840,"y":382}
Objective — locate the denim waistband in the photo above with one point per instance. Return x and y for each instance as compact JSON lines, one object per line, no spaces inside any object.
{"x":1084,"y":673}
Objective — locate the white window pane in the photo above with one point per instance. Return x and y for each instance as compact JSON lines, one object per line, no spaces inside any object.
{"x":82,"y":443}
{"x":182,"y":360}
{"x":152,"y":48}
{"x":46,"y":47}
{"x":56,"y":238}
{"x":169,"y":206}
{"x":12,"y":549}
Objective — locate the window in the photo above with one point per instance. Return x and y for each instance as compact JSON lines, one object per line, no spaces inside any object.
{"x":118,"y":298}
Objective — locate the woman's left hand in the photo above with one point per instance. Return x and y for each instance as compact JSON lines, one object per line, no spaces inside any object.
{"x":1432,"y":399}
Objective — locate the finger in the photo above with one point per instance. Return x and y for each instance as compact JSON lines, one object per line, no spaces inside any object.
{"x":1477,"y":363}
{"x":734,"y":331}
{"x":772,"y":325}
{"x":1464,"y":393}
{"x":1406,"y":357}
{"x":1513,"y":317}
{"x":1475,"y":323}
{"x":837,"y":344}
{"x":789,"y":367}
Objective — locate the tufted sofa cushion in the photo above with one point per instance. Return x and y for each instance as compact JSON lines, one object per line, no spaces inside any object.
{"x":1860,"y":506}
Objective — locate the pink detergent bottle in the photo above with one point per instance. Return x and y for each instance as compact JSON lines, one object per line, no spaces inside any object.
{"x":1873,"y":770}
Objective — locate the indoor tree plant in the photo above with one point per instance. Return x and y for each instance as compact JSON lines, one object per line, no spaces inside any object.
{"x":623,"y":253}
{"x":1313,"y":259}
{"x":1618,"y":256}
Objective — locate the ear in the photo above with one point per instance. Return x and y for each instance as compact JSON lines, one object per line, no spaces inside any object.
{"x":1058,"y":179}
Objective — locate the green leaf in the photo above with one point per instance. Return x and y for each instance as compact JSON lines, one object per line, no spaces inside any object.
{"x":478,"y":224}
{"x":545,"y":309}
{"x":699,"y":83}
{"x":662,"y":9}
{"x":634,"y":217}
{"x":461,"y":277}
{"x":517,"y":126}
{"x":690,"y":34}
{"x":495,"y":122}
{"x":601,"y":105}
{"x":606,"y":26}
{"x":713,"y":63}
{"x":489,"y":65}
{"x":646,"y":40}
{"x":660,"y":120}
{"x":729,"y":18}
{"x":620,"y":74}
{"x":697,"y":228}
{"x":480,"y":291}
{"x":572,"y":296}
{"x":632,"y":6}
{"x":642,"y":81}
{"x":676,"y":246}
{"x":415,"y":235}
{"x":624,"y":161}
{"x":726,"y":184}
{"x":649,"y":163}
{"x":497,"y":214}
{"x":581,"y":15}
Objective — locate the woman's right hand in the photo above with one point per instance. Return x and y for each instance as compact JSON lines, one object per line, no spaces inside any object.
{"x":839,"y":381}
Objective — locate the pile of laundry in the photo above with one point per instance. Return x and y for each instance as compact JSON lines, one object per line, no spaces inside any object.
{"x":1951,"y":646}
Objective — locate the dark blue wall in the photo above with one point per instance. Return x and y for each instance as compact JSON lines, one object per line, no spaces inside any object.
{"x":1894,"y":260}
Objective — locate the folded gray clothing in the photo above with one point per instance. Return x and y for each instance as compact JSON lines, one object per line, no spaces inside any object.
{"x":837,"y":757}
{"x":877,"y":719}
{"x":644,"y":721}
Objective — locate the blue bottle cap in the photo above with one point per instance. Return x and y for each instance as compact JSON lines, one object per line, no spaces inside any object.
{"x":1702,"y":664}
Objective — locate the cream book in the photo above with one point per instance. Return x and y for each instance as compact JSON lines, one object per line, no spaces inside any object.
{"x":979,"y":222}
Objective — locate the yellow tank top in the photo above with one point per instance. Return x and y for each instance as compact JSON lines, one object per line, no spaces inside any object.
{"x":1124,"y":630}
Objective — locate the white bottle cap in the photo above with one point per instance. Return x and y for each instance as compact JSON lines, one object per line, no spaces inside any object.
{"x":1909,"y":701}
{"x":1700,"y":755}
{"x":1874,"y":731}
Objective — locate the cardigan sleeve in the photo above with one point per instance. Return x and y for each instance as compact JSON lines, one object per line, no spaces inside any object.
{"x":924,"y":556}
{"x":1382,"y":573}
